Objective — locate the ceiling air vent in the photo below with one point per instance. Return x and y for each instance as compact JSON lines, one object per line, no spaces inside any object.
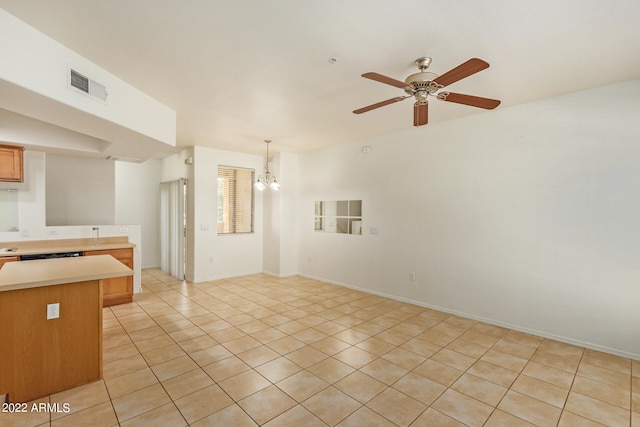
{"x":86,"y":85}
{"x":79,"y":81}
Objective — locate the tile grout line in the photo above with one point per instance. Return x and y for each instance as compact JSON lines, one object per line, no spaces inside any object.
{"x":467,"y":371}
{"x":573,"y":380}
{"x":519,"y":373}
{"x":250,"y":291}
{"x":328,"y":355}
{"x":251,"y":367}
{"x":105,"y":383}
{"x":148,"y":366}
{"x":189,"y":355}
{"x":399,"y":346}
{"x":289,"y":335}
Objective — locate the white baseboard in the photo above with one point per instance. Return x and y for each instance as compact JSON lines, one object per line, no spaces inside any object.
{"x":518,"y":328}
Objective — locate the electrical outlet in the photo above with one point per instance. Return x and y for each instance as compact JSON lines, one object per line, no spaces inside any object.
{"x":412,"y":277}
{"x":124,"y":229}
{"x":53,"y":311}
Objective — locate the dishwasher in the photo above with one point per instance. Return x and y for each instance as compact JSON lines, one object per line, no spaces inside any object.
{"x":29,"y":257}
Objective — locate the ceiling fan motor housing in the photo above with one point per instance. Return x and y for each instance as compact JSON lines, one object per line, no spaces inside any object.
{"x":421,"y":84}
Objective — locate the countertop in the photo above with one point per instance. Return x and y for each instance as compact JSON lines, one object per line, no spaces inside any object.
{"x":48,"y":272}
{"x":63,"y":245}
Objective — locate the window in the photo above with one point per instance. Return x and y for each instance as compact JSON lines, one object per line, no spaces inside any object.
{"x":235,"y":200}
{"x":342,"y":216}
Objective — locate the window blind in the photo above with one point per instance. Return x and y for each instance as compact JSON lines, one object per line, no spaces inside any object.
{"x":235,"y":200}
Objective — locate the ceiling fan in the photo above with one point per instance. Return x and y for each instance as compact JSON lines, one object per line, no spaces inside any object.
{"x":423,"y":84}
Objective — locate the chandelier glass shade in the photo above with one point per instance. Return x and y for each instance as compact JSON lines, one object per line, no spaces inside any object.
{"x":267,"y":180}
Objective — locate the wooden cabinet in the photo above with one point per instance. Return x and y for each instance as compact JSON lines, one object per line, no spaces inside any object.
{"x":11,"y":163}
{"x":6,"y":259}
{"x":43,"y":356}
{"x":118,"y":290}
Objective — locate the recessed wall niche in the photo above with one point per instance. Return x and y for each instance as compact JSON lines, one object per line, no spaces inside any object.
{"x":342,"y":216}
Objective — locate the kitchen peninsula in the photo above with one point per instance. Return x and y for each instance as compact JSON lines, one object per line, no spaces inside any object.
{"x":51,"y":323}
{"x":117,"y":290}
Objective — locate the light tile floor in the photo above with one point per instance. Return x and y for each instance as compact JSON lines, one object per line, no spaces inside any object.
{"x":259,"y":350}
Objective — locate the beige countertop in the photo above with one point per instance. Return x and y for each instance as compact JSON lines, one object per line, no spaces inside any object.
{"x":63,"y":245}
{"x":48,"y":272}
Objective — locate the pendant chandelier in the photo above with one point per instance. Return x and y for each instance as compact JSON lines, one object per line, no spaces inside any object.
{"x":267,"y":180}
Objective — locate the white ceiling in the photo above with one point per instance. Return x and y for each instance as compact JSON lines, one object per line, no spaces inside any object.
{"x":241,"y":71}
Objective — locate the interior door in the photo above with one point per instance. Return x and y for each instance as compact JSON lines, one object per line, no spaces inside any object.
{"x":173,"y":211}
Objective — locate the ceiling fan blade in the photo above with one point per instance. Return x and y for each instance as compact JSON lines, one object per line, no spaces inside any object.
{"x":420,"y":114}
{"x":463,"y":70}
{"x":384,"y":79}
{"x":474,"y":101}
{"x":379,"y":104}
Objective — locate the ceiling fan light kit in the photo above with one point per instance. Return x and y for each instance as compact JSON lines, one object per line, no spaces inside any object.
{"x":424,"y":83}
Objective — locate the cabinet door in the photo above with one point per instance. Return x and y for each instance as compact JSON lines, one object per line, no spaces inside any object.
{"x":11,"y":163}
{"x":118,"y":290}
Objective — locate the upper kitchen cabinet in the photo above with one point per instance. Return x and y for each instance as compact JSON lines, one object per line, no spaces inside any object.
{"x":11,"y":163}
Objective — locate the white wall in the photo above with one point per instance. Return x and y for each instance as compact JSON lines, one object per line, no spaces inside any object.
{"x":31,"y":195}
{"x":210,"y":256}
{"x":525,"y":217}
{"x":271,"y":243}
{"x":32,"y":218}
{"x":280,"y":255}
{"x":79,"y":191}
{"x":222,"y":256}
{"x":35,"y":69}
{"x":35,"y":134}
{"x":137,"y":193}
{"x":39,"y":110}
